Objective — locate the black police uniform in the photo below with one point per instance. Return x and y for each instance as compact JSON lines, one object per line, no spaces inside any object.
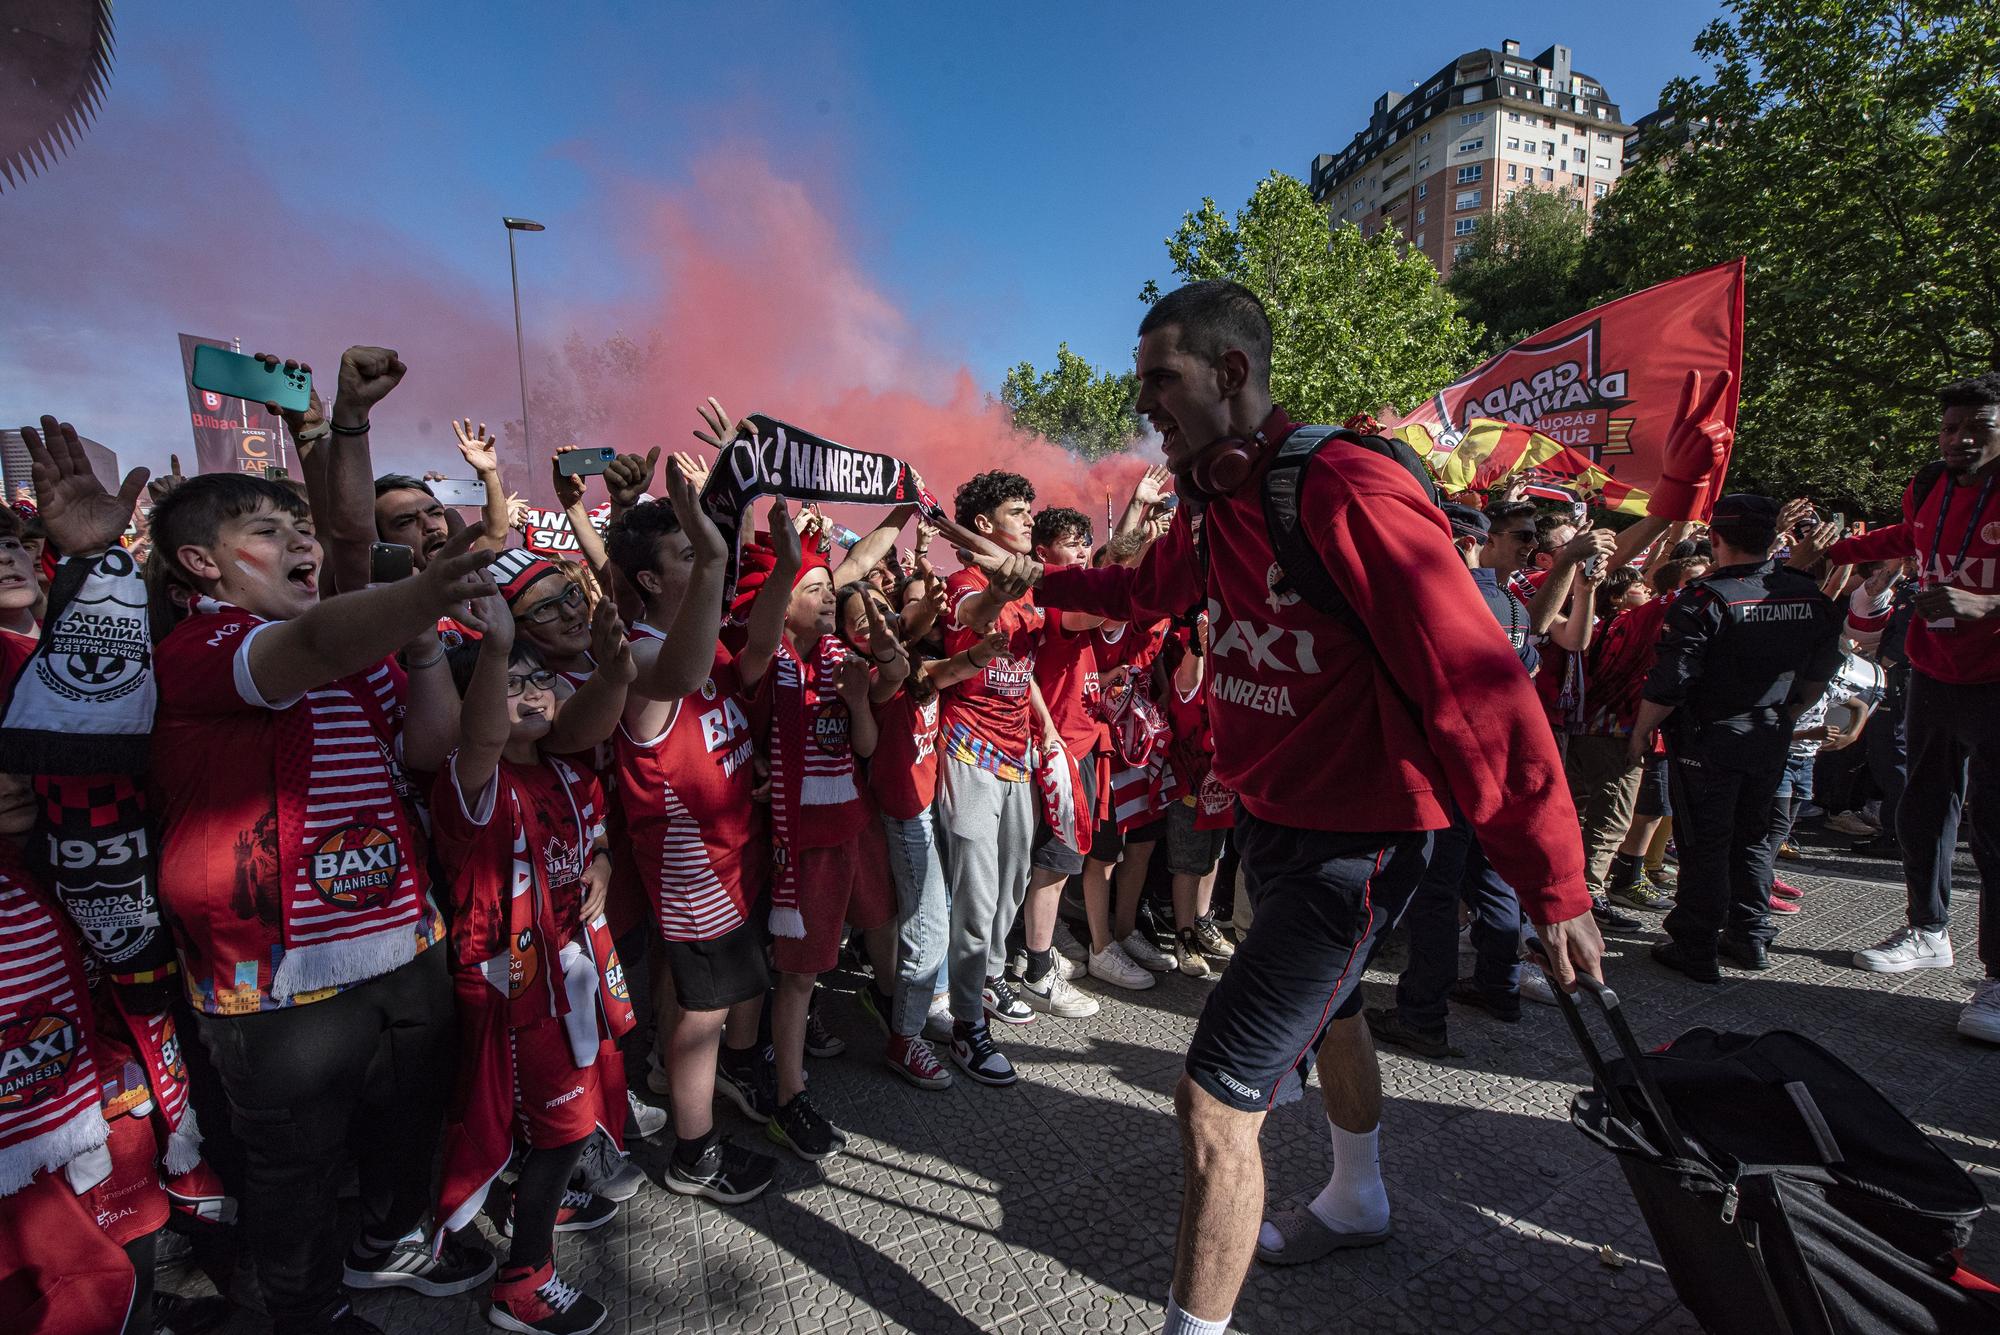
{"x":1742,"y":650}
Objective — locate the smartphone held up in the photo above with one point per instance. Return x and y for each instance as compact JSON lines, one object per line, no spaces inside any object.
{"x":220,"y":371}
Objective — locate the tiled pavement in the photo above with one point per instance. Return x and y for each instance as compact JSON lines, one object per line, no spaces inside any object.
{"x":1051,"y":1206}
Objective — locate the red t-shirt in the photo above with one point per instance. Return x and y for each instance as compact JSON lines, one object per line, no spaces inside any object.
{"x":1066,"y":670}
{"x":700,"y":843}
{"x":1620,"y":658}
{"x":15,"y":651}
{"x":528,"y":821}
{"x":903,"y":771}
{"x":214,"y":788}
{"x":833,"y":806}
{"x":987,"y":719}
{"x":1955,"y":650}
{"x":1312,"y":728}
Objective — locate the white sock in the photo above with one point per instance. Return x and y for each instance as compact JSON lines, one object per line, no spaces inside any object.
{"x":1180,"y":1323}
{"x":1354,"y":1200}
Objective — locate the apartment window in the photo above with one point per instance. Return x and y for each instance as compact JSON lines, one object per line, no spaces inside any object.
{"x":1603,"y":138}
{"x":1423,"y":138}
{"x":1420,"y":219}
{"x":1548,"y":149}
{"x":1513,"y":171}
{"x":1548,"y":173}
{"x":1423,"y":164}
{"x":1465,"y":227}
{"x":1513,"y":143}
{"x":1582,"y":156}
{"x":1599,"y":189}
{"x":1472,"y":145}
{"x":1420,"y":240}
{"x":1603,"y":115}
{"x":1458,"y":251}
{"x":1510,"y":194}
{"x":1548,"y":122}
{"x":1604,"y":164}
{"x":1467,"y":175}
{"x":1579,"y":181}
{"x":1472,"y":118}
{"x":1423,"y":189}
{"x":1514,"y":116}
{"x":1565,"y":138}
{"x":1469,"y":199}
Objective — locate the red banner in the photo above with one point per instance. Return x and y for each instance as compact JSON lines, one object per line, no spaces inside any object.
{"x":548,"y":531}
{"x":230,"y":436}
{"x":1607,"y":383}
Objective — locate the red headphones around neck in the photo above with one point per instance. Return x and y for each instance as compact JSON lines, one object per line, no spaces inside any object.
{"x":1223,"y":467}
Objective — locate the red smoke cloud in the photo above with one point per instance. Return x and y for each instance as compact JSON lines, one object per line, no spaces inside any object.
{"x":765,"y":308}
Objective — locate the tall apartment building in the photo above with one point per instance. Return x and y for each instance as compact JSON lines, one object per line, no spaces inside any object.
{"x":1435,"y":162}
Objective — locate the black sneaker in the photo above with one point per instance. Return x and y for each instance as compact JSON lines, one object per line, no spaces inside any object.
{"x":1390,"y":1027}
{"x":1675,"y":956}
{"x":750,"y":1081}
{"x":1611,"y":919}
{"x":580,"y":1212}
{"x":1468,"y":993}
{"x":1003,"y":1005}
{"x":1744,"y":953}
{"x":1881,"y":846}
{"x":819,"y":1041}
{"x":1210,"y":938}
{"x":799,"y":1128}
{"x":727,"y":1174}
{"x":174,"y":1314}
{"x":972,"y":1051}
{"x":343,"y":1320}
{"x":409,"y":1264}
{"x":877,"y":1006}
{"x":538,"y":1302}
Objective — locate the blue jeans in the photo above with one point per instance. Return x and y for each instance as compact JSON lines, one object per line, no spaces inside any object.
{"x":1459,"y":870}
{"x":922,"y":916}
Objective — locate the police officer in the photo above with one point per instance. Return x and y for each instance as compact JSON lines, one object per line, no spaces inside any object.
{"x":1744,"y":651}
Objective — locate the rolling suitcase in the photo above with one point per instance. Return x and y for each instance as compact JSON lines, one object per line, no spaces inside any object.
{"x":1784,"y":1192}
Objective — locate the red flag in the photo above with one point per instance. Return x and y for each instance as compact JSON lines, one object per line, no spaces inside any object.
{"x":1606,"y":383}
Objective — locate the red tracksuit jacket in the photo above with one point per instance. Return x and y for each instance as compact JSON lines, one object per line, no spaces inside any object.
{"x":1309,"y":730}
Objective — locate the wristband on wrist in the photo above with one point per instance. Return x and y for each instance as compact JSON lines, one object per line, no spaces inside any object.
{"x":340,"y":430}
{"x":432,"y":661}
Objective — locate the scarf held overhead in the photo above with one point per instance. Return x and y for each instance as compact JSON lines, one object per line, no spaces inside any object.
{"x":783,"y":460}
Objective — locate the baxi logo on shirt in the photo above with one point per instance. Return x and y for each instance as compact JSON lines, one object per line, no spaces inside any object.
{"x":35,"y":1056}
{"x":830,"y":729}
{"x":355,"y":867}
{"x":1279,"y":648}
{"x":727,"y":729}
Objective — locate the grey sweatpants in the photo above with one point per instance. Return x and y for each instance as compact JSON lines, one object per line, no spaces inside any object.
{"x":989,"y":831}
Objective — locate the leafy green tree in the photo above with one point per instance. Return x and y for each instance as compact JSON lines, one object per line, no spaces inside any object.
{"x":1848,"y":148}
{"x":1358,"y":322}
{"x":1074,"y":404}
{"x":1517,"y":276}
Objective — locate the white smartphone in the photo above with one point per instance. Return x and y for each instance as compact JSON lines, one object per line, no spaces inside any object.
{"x":453,"y":492}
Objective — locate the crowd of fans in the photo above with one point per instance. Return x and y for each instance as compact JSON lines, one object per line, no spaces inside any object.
{"x":418,"y":841}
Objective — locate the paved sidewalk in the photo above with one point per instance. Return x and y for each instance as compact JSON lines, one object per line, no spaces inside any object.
{"x":1051,"y":1206}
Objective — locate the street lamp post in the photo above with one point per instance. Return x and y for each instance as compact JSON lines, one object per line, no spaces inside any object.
{"x":514,"y":225}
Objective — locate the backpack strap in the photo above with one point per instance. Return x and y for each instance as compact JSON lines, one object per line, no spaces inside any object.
{"x":1923,"y":483}
{"x":1304,"y":573}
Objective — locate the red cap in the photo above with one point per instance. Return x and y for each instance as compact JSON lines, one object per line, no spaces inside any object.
{"x":755,"y":567}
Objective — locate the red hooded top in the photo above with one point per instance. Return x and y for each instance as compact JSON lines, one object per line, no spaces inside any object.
{"x":1316,"y":729}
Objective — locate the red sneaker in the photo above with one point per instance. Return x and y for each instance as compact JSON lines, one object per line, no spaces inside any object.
{"x":1779,"y":904}
{"x":1785,"y":889}
{"x":536,"y":1302}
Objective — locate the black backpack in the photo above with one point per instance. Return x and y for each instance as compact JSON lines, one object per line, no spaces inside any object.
{"x":1304,"y":573}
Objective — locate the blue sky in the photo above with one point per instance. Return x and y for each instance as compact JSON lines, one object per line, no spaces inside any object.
{"x":1003,"y":175}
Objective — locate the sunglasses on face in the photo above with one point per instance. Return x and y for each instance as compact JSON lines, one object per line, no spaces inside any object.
{"x":548,"y":611}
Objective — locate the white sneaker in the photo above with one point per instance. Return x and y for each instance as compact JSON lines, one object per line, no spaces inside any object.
{"x":1067,"y":945}
{"x":937,"y":1024}
{"x":1054,"y":996}
{"x":1144,"y":954}
{"x":1535,"y":987}
{"x":1112,"y":965}
{"x":1981,"y":1017}
{"x":1852,"y":822}
{"x":650,"y":1120}
{"x":1910,"y":948}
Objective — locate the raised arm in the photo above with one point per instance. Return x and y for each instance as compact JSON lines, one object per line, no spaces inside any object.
{"x":679,"y":665}
{"x":353,"y":631}
{"x":569,"y":493}
{"x":347,"y":528}
{"x":430,"y":706}
{"x":868,"y":553}
{"x":594,"y":708}
{"x":767,"y":610}
{"x":483,"y":726}
{"x":1596,"y":544}
{"x":482,"y":452}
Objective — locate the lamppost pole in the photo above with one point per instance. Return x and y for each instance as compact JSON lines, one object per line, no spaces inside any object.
{"x":514,"y":225}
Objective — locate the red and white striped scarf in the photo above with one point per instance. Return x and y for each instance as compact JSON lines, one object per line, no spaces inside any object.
{"x":801,"y":775}
{"x":829,"y":774}
{"x":50,"y":1105}
{"x":351,"y":887}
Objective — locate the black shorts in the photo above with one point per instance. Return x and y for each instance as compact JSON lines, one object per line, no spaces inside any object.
{"x":1052,"y":854}
{"x":1323,"y":903}
{"x":714,"y":975}
{"x":1653,"y":803}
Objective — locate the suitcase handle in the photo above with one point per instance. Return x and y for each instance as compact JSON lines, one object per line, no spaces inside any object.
{"x":1614,"y":1017}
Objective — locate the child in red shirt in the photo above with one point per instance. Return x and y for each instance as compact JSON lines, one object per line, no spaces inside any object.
{"x":524,"y":832}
